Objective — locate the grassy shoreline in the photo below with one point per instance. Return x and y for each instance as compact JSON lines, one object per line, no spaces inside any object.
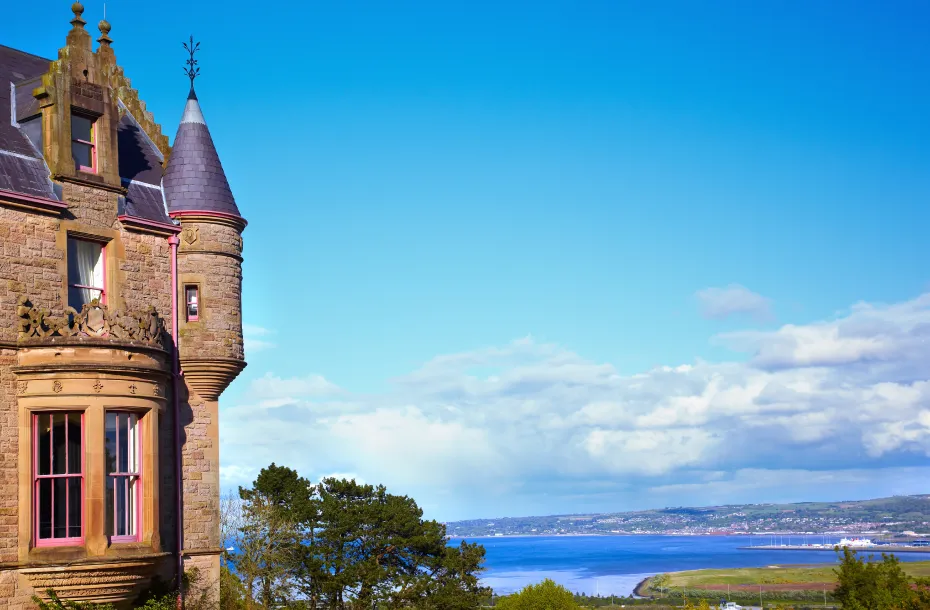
{"x":780,"y":582}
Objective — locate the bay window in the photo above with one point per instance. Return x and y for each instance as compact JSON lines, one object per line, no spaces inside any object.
{"x":121,"y":505}
{"x":86,"y":272}
{"x":58,"y":477}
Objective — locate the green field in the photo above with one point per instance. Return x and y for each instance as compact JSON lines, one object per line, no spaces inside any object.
{"x":778,"y":583}
{"x":797,"y":574}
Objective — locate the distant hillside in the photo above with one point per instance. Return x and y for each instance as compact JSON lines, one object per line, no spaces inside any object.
{"x":891,"y":516}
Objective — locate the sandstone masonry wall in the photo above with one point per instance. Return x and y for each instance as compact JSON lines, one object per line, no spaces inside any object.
{"x":91,"y":206}
{"x":200,"y":461}
{"x":29,"y":264}
{"x":146,"y":273}
{"x":212,"y":261}
{"x":9,"y":449}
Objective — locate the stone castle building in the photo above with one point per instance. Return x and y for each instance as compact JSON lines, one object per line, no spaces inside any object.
{"x":120,"y":326}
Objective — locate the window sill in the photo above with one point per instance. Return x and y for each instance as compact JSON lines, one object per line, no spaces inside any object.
{"x":62,"y":552}
{"x":129,"y":549}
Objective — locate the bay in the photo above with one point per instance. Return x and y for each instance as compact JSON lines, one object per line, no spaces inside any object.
{"x":614,"y":565}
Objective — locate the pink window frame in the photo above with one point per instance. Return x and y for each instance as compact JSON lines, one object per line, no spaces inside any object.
{"x":136,"y":486}
{"x":36,"y":477}
{"x":103,"y":258}
{"x":187,"y":303}
{"x":92,"y":143}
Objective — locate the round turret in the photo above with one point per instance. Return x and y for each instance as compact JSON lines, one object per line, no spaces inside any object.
{"x":197,"y":194}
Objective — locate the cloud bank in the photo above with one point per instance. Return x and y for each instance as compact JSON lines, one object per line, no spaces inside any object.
{"x":838,"y":408}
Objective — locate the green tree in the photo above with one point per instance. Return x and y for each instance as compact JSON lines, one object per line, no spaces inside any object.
{"x":267,"y":535}
{"x":546,"y":595}
{"x":363,"y":547}
{"x":873,"y":585}
{"x":341,"y":545}
{"x":232,"y":591}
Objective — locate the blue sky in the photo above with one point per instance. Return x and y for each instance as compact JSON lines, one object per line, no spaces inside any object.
{"x":479,"y":230}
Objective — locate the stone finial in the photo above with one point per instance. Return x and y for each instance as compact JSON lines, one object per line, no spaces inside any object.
{"x":78,"y":9}
{"x":78,"y":37}
{"x":104,"y":27}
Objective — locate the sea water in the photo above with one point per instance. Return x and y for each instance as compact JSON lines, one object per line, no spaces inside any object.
{"x":614,"y":565}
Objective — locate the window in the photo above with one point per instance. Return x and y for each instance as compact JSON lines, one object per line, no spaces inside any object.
{"x":122,"y":462}
{"x":84,"y":143}
{"x":192,"y":299}
{"x":58,"y":478}
{"x":86,"y":277}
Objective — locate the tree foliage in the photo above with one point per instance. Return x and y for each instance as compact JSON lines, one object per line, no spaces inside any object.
{"x":546,"y":595}
{"x":878,"y":585}
{"x":340,"y":544}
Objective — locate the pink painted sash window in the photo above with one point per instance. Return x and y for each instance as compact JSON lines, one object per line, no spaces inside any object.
{"x":84,"y":143}
{"x":58,"y":478}
{"x":123,"y":476}
{"x":192,"y":300}
{"x":86,"y":272}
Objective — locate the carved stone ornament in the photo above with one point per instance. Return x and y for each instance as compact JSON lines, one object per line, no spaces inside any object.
{"x":56,"y":387}
{"x":191,"y":235}
{"x":94,"y":320}
{"x":98,"y":386}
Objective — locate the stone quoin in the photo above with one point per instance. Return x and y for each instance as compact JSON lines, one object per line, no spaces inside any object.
{"x":120,"y":327}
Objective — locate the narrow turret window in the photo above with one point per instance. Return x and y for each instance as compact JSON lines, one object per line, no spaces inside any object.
{"x":123,"y":475}
{"x":86,"y":272}
{"x":84,"y":143}
{"x":192,"y":298}
{"x":58,"y":477}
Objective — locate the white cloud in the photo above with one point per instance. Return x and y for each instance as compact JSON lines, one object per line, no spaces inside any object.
{"x":271,"y":386}
{"x":719,"y":303}
{"x":251,"y":338}
{"x":839,"y":406}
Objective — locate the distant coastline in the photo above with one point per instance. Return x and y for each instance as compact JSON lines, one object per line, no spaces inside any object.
{"x":679,"y":534}
{"x":899,"y":517}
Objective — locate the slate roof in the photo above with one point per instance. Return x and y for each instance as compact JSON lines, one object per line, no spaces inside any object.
{"x":141,"y":172}
{"x":194,"y":179}
{"x":22,"y":168}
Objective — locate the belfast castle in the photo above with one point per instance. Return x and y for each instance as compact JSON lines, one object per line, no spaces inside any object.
{"x":120,"y":326}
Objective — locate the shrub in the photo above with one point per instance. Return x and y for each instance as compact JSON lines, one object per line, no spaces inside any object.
{"x":546,"y":595}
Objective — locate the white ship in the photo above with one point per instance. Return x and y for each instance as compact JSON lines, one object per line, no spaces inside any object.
{"x":855,"y":543}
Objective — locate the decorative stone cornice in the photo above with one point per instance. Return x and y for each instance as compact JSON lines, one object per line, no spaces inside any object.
{"x":210,"y":377}
{"x":94,"y":321}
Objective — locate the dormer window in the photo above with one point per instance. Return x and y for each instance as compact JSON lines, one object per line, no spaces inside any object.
{"x":84,"y":143}
{"x":86,"y":272}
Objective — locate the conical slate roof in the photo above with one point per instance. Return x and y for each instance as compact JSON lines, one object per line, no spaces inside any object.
{"x":194,"y":179}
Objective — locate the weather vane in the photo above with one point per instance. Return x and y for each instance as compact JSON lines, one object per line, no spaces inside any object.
{"x":191,"y":68}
